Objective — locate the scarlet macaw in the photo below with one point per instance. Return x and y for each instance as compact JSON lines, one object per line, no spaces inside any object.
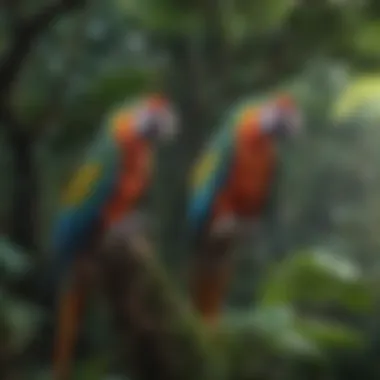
{"x":231,"y":183}
{"x":106,"y":188}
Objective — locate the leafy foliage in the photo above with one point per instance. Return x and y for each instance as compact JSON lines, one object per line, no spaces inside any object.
{"x":19,"y":319}
{"x":312,"y":304}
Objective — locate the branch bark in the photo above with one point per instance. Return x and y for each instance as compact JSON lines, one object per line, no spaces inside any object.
{"x":159,"y":337}
{"x":21,"y":137}
{"x":25,"y":35}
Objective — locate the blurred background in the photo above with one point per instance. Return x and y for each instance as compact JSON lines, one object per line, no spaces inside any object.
{"x":304,"y":302}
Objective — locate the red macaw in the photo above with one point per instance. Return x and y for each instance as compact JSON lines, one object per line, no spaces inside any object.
{"x":231,"y":183}
{"x":105,"y":190}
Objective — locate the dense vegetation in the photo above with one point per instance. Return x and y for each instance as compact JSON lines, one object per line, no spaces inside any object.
{"x":304,"y":302}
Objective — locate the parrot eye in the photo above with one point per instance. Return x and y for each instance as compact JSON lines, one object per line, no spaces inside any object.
{"x":270,"y":119}
{"x":280,"y":121}
{"x":157,"y":124}
{"x":146,"y":123}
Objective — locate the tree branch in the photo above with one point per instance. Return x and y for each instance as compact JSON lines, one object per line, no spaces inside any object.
{"x":25,"y":36}
{"x":73,"y":45}
{"x":159,"y":337}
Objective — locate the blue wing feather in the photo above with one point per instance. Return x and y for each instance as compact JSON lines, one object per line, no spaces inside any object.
{"x":74,"y":224}
{"x":203,"y":195}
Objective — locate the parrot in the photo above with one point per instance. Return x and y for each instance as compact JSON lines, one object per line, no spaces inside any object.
{"x":230,"y":187}
{"x":106,"y":189}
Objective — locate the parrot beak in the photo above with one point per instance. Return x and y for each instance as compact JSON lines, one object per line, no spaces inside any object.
{"x":170,"y":127}
{"x":292,"y":117}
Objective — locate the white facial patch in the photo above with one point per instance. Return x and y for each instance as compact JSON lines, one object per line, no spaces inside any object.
{"x":161,"y":123}
{"x":269,"y":118}
{"x":144,"y":118}
{"x":281,"y":121}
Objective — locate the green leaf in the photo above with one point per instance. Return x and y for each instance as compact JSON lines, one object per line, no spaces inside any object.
{"x":92,"y":369}
{"x":111,"y":88}
{"x":362,"y":91}
{"x":330,"y":335}
{"x":272,"y":320}
{"x":13,"y":261}
{"x":249,"y":17}
{"x":294,"y":343}
{"x":274,"y":328}
{"x":278,"y":329}
{"x":21,"y":320}
{"x":164,"y":15}
{"x":317,"y":276}
{"x":366,"y":39}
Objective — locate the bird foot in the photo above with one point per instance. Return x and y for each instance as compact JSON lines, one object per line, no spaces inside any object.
{"x":133,"y":224}
{"x":225,"y":226}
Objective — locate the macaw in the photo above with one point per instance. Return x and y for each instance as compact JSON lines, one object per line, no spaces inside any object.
{"x":230,"y":186}
{"x":106,"y":188}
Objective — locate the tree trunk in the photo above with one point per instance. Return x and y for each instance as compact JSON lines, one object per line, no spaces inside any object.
{"x":23,"y":219}
{"x":22,"y":222}
{"x":186,"y":82}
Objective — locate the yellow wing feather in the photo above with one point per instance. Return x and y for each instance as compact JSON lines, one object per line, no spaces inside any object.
{"x":202,"y":169}
{"x":80,"y":186}
{"x":208,"y":163}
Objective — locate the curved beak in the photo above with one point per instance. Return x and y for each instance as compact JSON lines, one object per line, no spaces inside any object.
{"x":295,"y":123}
{"x":171,"y":125}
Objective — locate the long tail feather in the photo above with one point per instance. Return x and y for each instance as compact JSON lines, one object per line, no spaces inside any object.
{"x":211,"y":277}
{"x":70,"y":313}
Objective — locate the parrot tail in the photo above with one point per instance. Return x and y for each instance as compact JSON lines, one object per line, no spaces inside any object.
{"x":212,"y":274}
{"x":70,"y":312}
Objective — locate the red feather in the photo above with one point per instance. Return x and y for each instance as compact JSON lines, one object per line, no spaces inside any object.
{"x":245,"y":194}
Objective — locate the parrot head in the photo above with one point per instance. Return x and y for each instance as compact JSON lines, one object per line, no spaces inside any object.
{"x":281,"y":117}
{"x":157,"y":120}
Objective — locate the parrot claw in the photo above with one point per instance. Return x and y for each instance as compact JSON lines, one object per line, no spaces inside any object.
{"x":131,"y":225}
{"x":225,"y":226}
